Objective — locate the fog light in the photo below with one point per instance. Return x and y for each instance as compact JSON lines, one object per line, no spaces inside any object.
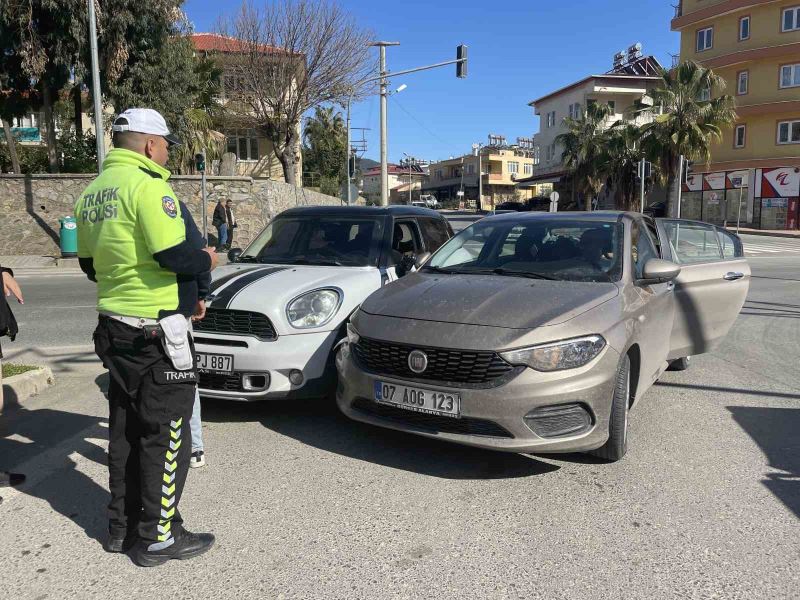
{"x":558,"y":421}
{"x":296,"y":377}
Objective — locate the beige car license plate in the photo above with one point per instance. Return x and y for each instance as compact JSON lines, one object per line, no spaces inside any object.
{"x":420,"y":400}
{"x":215,"y":363}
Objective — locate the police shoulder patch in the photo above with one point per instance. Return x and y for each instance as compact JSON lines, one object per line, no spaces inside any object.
{"x":169,"y":206}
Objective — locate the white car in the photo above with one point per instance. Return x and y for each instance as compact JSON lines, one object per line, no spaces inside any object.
{"x":276,"y":313}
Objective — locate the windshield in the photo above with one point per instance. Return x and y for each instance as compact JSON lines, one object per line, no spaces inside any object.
{"x":565,"y":249}
{"x":317,"y":241}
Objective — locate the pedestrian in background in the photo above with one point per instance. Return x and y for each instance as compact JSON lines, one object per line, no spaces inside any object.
{"x":231,"y":222}
{"x":220,"y":221}
{"x":8,"y":327}
{"x":132,"y":240}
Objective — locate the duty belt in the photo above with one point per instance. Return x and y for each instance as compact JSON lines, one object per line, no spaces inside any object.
{"x":137,"y":322}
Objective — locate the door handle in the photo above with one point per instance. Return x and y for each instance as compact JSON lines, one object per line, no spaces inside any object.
{"x":732,"y":276}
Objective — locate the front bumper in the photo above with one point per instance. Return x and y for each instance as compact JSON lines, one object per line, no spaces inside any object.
{"x":309,"y":353}
{"x":488,"y":410}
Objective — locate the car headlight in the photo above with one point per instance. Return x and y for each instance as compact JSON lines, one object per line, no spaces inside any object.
{"x":558,"y":356}
{"x":313,"y":309}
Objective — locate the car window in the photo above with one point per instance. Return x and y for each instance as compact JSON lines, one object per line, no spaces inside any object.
{"x":731,"y":245}
{"x":435,"y":233}
{"x":317,"y":240}
{"x":567,"y":249}
{"x":654,"y":237}
{"x":692,"y":242}
{"x":405,"y":241}
{"x":642,"y":248}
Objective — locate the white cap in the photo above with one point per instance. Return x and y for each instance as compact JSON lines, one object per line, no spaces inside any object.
{"x":144,"y":120}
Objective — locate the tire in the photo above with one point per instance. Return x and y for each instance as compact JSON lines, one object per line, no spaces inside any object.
{"x":617,"y":445}
{"x":680,"y":365}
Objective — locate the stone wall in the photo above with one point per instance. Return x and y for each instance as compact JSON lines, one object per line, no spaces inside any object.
{"x":32,"y":205}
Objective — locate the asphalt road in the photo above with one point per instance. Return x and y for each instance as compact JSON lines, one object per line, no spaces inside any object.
{"x":309,"y":505}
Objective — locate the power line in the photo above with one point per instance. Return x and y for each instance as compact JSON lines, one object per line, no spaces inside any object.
{"x":417,"y":121}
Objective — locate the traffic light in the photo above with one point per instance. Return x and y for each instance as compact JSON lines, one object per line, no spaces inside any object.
{"x":687,"y":169}
{"x":461,"y":66}
{"x":199,"y":162}
{"x":352,"y":166}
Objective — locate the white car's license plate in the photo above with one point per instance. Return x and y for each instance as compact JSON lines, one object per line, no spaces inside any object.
{"x":215,"y":363}
{"x":417,"y":399}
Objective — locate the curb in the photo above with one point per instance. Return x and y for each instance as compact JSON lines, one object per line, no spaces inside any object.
{"x":20,"y":387}
{"x":770,"y":234}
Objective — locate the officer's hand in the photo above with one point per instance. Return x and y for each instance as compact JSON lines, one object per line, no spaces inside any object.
{"x":199,"y":311}
{"x":213,"y":254}
{"x":10,"y":286}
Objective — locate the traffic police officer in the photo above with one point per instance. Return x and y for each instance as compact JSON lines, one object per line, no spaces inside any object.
{"x":132,"y":241}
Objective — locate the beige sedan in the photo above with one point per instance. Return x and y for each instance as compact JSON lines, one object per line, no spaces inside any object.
{"x":539,"y":332}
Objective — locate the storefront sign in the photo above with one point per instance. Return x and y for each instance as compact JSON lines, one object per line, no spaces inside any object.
{"x":713,"y":198}
{"x":781,"y":182}
{"x":775,"y":203}
{"x":714,"y":181}
{"x":694,"y":183}
{"x":737,"y":179}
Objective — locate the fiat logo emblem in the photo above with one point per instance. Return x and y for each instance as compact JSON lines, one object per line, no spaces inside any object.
{"x":418,"y":361}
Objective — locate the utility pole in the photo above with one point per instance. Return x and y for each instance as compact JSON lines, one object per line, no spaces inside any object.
{"x":680,"y":187}
{"x":347,"y":154}
{"x":641,"y":177}
{"x":99,"y":131}
{"x":384,"y":83}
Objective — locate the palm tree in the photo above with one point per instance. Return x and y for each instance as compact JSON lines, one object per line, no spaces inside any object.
{"x":582,"y":145}
{"x":684,"y":124}
{"x":196,"y":129}
{"x":325,"y":148}
{"x":619,"y":161}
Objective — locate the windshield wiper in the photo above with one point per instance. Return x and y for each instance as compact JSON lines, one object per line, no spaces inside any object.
{"x":441,"y":270}
{"x":247,"y":259}
{"x":526,"y":274}
{"x":305,"y":261}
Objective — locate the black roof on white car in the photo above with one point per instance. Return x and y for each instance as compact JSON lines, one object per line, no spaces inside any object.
{"x":398,"y":210}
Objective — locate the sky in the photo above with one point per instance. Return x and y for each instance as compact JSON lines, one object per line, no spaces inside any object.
{"x":518,"y":51}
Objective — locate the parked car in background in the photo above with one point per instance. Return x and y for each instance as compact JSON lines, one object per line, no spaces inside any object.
{"x":429,"y":200}
{"x":538,"y":332}
{"x":656,"y":210}
{"x":277,"y":311}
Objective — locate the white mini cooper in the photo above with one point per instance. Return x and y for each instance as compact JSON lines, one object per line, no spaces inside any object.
{"x":277,"y":311}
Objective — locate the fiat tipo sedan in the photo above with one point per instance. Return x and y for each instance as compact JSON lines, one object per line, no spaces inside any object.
{"x":538,"y":332}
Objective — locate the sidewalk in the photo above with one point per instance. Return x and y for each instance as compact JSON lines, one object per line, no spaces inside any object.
{"x":784,"y":233}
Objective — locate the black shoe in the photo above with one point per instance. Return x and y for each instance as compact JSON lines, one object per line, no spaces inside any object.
{"x":116,"y":543}
{"x":187,"y":545}
{"x":11,"y":479}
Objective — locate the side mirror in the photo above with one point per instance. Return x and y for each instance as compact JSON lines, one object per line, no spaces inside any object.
{"x":234,"y":254}
{"x":421,"y":259}
{"x":659,"y":271}
{"x":405,"y":265}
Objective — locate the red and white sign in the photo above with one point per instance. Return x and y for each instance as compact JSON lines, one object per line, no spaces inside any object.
{"x":714,"y":181}
{"x":782,"y":182}
{"x":734,"y":176}
{"x":694,"y":183}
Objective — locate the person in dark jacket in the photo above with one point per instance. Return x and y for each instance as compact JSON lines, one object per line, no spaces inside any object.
{"x":196,"y":239}
{"x":231,"y":223}
{"x":220,"y":221}
{"x":8,"y":326}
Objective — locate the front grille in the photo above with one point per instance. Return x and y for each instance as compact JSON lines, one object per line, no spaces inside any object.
{"x":237,"y":322}
{"x":221,"y":382}
{"x":452,"y":366}
{"x":431,"y":423}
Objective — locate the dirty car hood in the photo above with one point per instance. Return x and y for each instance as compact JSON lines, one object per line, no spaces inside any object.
{"x":490,"y":300}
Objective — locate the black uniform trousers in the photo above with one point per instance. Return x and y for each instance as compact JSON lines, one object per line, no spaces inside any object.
{"x":150,"y":406}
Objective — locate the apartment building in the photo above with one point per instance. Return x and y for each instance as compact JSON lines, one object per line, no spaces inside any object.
{"x":399,"y":176}
{"x":501,"y":165}
{"x":625,"y":85}
{"x":254,"y":152}
{"x":755,"y":47}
